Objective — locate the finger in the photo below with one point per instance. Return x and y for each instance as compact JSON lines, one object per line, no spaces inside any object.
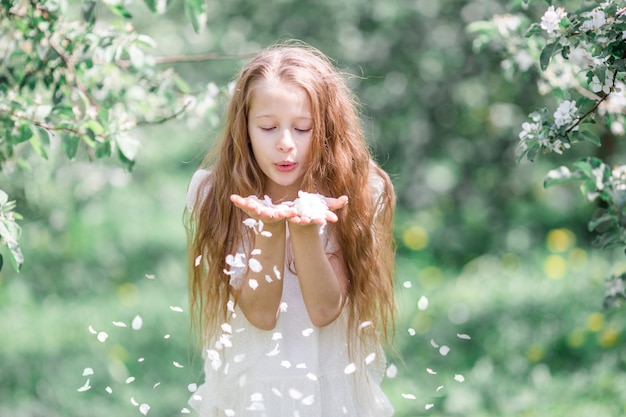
{"x":336,"y":203}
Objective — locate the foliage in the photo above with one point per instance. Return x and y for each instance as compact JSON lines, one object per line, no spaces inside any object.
{"x":582,"y":59}
{"x":87,"y":84}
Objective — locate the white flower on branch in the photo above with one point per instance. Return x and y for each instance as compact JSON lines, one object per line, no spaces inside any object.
{"x":552,"y":18}
{"x":566,"y":113}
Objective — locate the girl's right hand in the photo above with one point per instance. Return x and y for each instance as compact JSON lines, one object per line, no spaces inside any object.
{"x":258,"y":210}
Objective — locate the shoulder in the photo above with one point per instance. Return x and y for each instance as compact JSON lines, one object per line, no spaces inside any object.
{"x":198,"y":187}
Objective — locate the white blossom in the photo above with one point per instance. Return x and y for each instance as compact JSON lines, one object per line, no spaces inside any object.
{"x":596,"y":19}
{"x":552,"y":18}
{"x":566,"y":113}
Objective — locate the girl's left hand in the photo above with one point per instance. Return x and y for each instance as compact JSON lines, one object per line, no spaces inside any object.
{"x":333,"y":204}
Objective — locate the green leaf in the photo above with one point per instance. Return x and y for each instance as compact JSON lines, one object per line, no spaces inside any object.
{"x":70,"y":144}
{"x":128,"y":145}
{"x":196,"y":13}
{"x":38,"y":146}
{"x":103,"y":149}
{"x":87,"y":10}
{"x":547,"y":53}
{"x":121,"y":11}
{"x":590,"y":137}
{"x":1,"y":262}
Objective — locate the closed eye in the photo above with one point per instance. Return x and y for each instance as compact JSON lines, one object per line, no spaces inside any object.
{"x":303,"y":130}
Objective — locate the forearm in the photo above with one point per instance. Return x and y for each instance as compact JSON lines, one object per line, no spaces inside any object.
{"x":322,"y":280}
{"x":260,"y":297}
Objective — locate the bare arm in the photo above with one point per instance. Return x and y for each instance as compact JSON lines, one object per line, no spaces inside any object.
{"x":322,"y":277}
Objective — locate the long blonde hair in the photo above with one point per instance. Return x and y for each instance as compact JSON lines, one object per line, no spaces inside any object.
{"x":340,"y":165}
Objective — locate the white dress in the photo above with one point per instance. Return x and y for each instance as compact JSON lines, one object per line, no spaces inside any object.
{"x":294,"y":370}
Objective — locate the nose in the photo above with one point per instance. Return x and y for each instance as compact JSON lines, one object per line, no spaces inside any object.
{"x":285,"y":141}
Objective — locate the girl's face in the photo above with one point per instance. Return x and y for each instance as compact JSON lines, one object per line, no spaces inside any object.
{"x":280,"y":126}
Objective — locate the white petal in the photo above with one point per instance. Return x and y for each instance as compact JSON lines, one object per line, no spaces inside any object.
{"x":463,"y":336}
{"x":92,"y":330}
{"x":422,"y":303}
{"x":178,"y":365}
{"x":255,"y":265}
{"x":307,"y":332}
{"x":459,"y":378}
{"x":156,"y":385}
{"x":133,"y":401}
{"x":130,"y":379}
{"x":311,"y":376}
{"x":409,"y":396}
{"x":119,"y":324}
{"x":444,"y":350}
{"x":295,"y":394}
{"x":87,"y":371}
{"x":198,"y":260}
{"x":102,"y":337}
{"x":85,"y":387}
{"x":286,"y":364}
{"x":256,"y":252}
{"x":144,"y":408}
{"x":176,"y":309}
{"x":430,"y":371}
{"x":429,"y":406}
{"x":253,"y":283}
{"x":109,"y":390}
{"x":229,"y":413}
{"x":277,"y":272}
{"x":351,"y":368}
{"x":137,"y":323}
{"x":439,"y":388}
{"x":407,"y":284}
{"x":411,"y":331}
{"x":365,"y":324}
{"x":370,"y":358}
{"x":392,"y":371}
{"x":308,"y":400}
{"x":149,"y":276}
{"x":268,"y":278}
{"x":433,"y":343}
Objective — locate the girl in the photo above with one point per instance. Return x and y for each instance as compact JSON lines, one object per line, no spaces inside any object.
{"x":291,"y":291}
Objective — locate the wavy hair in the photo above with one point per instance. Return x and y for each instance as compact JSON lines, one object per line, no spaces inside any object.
{"x":340,"y":164}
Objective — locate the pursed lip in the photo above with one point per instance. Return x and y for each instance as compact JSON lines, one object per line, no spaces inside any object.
{"x":285,"y":166}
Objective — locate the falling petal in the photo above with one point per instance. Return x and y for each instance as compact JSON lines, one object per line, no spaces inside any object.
{"x":311,"y":376}
{"x":365,"y":324}
{"x":133,"y":401}
{"x":370,"y":358}
{"x":255,"y":265}
{"x":144,"y":408}
{"x":411,"y":331}
{"x":102,"y":337}
{"x":277,"y":336}
{"x":166,"y":336}
{"x":257,"y":396}
{"x":430,"y":371}
{"x":130,"y":379}
{"x":268,"y":278}
{"x":429,"y":406}
{"x":277,"y":392}
{"x":283,"y":307}
{"x":178,"y":365}
{"x":253,"y":283}
{"x":230,"y":305}
{"x":308,"y":400}
{"x":92,"y":330}
{"x":301,"y":366}
{"x":187,"y":411}
{"x":433,"y":343}
{"x":351,"y":368}
{"x":176,"y":309}
{"x":277,"y":272}
{"x":239,"y":358}
{"x":422,"y":303}
{"x":85,"y":387}
{"x":137,"y":323}
{"x":295,"y":394}
{"x":407,"y":284}
{"x":109,"y":390}
{"x":286,"y":364}
{"x":463,"y":336}
{"x":119,"y":324}
{"x":229,"y":413}
{"x":392,"y":371}
{"x":140,"y":360}
{"x":198,"y":260}
{"x":192,"y":387}
{"x":459,"y":378}
{"x":226,"y":327}
{"x":87,"y":371}
{"x":409,"y":396}
{"x":307,"y":332}
{"x":156,"y":385}
{"x":274,"y":351}
{"x":256,"y":252}
{"x":265,"y":233}
{"x":149,"y":276}
{"x":444,"y":350}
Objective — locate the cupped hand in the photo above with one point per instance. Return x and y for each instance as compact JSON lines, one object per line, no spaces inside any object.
{"x":257,"y":209}
{"x":333,"y":204}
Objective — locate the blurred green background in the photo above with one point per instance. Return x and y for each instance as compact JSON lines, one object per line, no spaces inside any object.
{"x":498,"y":257}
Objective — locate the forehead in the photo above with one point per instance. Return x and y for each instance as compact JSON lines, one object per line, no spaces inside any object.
{"x":269,"y":96}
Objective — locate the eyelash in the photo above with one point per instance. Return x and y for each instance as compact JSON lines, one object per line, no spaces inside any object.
{"x":268,"y":129}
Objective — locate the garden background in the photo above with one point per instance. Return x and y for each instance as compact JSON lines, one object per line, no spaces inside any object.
{"x":491,"y":266}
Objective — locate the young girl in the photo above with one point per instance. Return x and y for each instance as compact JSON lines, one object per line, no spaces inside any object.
{"x":291,"y":250}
